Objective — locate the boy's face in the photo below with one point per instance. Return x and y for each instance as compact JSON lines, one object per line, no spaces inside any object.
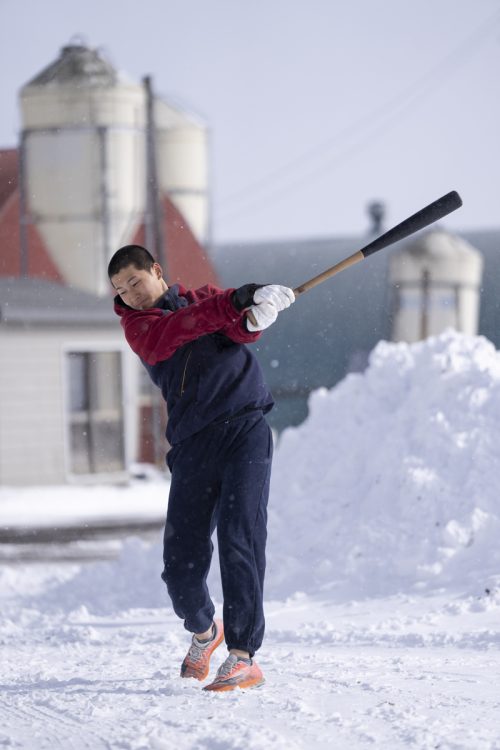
{"x":138,"y":288}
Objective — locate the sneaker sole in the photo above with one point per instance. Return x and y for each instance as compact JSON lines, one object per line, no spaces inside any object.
{"x":257,"y":682}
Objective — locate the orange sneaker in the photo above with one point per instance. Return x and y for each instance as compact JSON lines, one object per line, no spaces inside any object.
{"x":197,"y":660}
{"x":235,"y":672}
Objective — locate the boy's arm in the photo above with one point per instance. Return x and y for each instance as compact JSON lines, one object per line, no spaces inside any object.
{"x":155,"y":335}
{"x":236,"y":330}
{"x":239,"y":333}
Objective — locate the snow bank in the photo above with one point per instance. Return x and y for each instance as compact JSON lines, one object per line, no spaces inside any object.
{"x":130,"y":582}
{"x":392,"y":481}
{"x":66,"y":506}
{"x":390,"y":485}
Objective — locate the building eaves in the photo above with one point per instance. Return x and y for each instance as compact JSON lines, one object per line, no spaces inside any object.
{"x":38,"y":302}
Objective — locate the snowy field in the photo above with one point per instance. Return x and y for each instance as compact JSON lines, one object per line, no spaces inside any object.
{"x":383,"y":586}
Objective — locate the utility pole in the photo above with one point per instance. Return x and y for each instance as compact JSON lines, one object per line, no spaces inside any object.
{"x":425,"y":310}
{"x":23,"y":210}
{"x":155,"y":243}
{"x":155,"y":240}
{"x":102,"y":134}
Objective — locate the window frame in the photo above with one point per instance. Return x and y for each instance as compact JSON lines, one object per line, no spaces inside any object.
{"x":93,"y":347}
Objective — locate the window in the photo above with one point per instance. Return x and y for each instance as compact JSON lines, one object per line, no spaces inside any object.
{"x":95,"y":406}
{"x":152,"y":422}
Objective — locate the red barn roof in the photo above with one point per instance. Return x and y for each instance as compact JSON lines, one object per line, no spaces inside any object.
{"x":8,"y":173}
{"x":39,"y":262}
{"x":187,"y":260}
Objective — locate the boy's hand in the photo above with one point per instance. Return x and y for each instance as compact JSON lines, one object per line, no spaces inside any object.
{"x":264,"y":303}
{"x":264,"y":314}
{"x":254,"y":294}
{"x":279,"y":296}
{"x":269,"y":301}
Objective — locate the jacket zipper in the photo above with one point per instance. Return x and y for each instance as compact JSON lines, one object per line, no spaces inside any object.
{"x":184,"y":373}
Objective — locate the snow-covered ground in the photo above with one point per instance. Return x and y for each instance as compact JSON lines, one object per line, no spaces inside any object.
{"x":383,"y":586}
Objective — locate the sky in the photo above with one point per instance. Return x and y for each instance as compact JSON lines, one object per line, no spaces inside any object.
{"x":315,"y":108}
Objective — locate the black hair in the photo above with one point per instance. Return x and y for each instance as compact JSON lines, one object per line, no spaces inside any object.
{"x":127,"y":255}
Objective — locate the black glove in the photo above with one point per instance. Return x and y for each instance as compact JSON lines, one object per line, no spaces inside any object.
{"x":243,"y":297}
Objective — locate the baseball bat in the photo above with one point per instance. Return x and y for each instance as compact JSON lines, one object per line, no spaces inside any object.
{"x":428,"y":215}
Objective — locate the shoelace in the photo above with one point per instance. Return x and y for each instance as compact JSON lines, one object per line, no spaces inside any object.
{"x":196,"y":652}
{"x":226,"y":666}
{"x":196,"y":649}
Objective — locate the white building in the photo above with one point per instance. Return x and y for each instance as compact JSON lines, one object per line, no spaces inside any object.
{"x":75,"y":403}
{"x":65,"y":378}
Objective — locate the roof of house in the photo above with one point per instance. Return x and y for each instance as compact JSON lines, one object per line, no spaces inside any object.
{"x":38,"y":302}
{"x":329,"y":330}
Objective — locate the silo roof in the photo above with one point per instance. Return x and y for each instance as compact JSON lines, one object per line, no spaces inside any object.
{"x":438,"y":243}
{"x":77,"y":63}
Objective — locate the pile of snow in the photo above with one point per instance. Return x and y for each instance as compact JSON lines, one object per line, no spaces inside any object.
{"x":390,"y":485}
{"x":130,"y":582}
{"x":392,"y":481}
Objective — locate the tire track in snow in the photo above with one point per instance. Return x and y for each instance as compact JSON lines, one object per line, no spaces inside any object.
{"x":53,"y":726}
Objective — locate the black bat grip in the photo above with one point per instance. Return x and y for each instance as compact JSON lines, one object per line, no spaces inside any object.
{"x":431,"y":213}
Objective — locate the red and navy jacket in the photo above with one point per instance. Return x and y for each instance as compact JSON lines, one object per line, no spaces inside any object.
{"x":193,"y":346}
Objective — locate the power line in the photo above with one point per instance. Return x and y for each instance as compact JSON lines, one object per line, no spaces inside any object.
{"x":374,"y":122}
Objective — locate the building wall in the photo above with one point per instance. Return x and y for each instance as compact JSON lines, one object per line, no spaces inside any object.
{"x":33,"y":399}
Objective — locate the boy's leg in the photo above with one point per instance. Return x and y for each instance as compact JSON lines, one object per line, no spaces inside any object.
{"x":242,"y":530}
{"x":187,"y":549}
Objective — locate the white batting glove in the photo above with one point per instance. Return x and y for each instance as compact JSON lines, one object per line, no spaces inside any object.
{"x":279,"y":296}
{"x":264,"y":313}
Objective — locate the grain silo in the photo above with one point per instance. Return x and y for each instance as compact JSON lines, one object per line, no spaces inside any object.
{"x":182,"y":152}
{"x":83,"y":161}
{"x":436,"y":282}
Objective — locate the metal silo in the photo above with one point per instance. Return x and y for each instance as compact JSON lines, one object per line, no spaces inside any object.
{"x":182,"y":152}
{"x":83,"y":162}
{"x":436,"y":282}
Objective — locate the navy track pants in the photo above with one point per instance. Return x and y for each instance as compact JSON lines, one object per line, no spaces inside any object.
{"x":220,"y":479}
